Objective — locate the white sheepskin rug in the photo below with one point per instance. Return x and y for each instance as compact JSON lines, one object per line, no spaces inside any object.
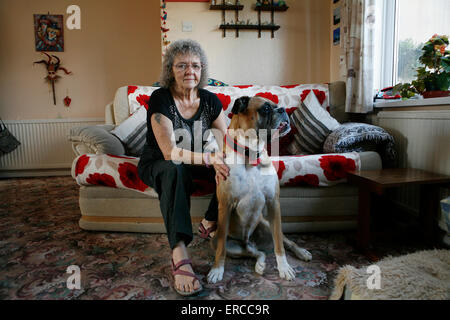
{"x":423,"y":275}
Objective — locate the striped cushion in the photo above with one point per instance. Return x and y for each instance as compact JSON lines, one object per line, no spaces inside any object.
{"x":132,"y":132}
{"x":313,"y":125}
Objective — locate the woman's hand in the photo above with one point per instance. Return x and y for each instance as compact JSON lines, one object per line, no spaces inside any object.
{"x":222,"y":170}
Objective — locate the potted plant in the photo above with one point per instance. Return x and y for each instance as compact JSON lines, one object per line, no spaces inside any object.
{"x":433,"y":78}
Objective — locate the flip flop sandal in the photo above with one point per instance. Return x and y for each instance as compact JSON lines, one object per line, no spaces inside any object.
{"x":176,"y":271}
{"x":206,"y":233}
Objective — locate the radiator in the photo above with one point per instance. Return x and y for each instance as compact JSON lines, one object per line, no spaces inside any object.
{"x":44,"y":145}
{"x":422,"y":141}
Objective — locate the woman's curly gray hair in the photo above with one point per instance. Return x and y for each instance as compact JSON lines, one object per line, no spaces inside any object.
{"x":182,"y":47}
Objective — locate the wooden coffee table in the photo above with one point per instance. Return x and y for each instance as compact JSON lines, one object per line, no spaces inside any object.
{"x":378,"y":181}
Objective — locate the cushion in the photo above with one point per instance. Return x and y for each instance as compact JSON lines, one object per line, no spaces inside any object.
{"x":132,"y":132}
{"x":97,"y":138}
{"x":360,"y":137}
{"x":216,"y":83}
{"x":313,"y":124}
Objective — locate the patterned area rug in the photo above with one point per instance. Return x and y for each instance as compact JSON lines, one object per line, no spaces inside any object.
{"x":40,"y":238}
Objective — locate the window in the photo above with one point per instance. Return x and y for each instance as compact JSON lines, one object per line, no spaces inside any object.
{"x":406,"y":26}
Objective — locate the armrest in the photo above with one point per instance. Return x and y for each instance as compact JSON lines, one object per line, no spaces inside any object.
{"x":95,"y":140}
{"x":337,"y":101}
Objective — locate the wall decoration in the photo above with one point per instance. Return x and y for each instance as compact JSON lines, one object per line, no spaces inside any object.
{"x":52,"y":69}
{"x":164,"y":29}
{"x":335,"y":1}
{"x":337,"y":36}
{"x":337,"y":16}
{"x":49,"y":32}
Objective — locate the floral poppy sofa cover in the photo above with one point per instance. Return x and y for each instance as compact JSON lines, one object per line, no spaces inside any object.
{"x":314,"y":194}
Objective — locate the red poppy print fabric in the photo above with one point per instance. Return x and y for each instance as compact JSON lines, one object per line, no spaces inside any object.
{"x":321,"y":97}
{"x":81,"y":164}
{"x":121,"y":172}
{"x":269,"y":96}
{"x":129,"y":177}
{"x":139,"y":96}
{"x":335,"y":167}
{"x":143,"y":100}
{"x":288,"y":97}
{"x":101,"y":179}
{"x":316,"y":170}
{"x":225,"y":100}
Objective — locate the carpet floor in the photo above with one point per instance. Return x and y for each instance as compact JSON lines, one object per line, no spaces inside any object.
{"x":40,"y":238}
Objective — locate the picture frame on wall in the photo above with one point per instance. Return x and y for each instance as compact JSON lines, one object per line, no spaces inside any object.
{"x":337,"y":36}
{"x":49,"y":32}
{"x":337,"y":16}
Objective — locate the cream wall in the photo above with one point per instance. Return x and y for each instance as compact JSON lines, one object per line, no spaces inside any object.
{"x":118,"y":44}
{"x":299,"y":53}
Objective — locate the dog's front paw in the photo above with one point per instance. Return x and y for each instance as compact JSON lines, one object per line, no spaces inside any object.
{"x":303,"y":254}
{"x":260,"y":266}
{"x":284,"y":269}
{"x":215,"y":275}
{"x":286,"y":272}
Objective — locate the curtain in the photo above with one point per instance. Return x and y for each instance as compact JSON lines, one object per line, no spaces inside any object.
{"x":358,"y":40}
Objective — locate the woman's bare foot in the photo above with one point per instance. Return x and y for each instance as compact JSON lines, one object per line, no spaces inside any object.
{"x":184,"y":283}
{"x":208,"y":224}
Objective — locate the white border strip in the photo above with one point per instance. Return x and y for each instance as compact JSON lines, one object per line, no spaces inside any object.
{"x":55,"y":120}
{"x":414,"y":103}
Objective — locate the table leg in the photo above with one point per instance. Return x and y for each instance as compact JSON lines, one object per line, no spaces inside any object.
{"x":364,"y":204}
{"x":429,"y":207}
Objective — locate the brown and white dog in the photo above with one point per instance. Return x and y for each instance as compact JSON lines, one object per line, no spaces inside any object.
{"x":249,"y":198}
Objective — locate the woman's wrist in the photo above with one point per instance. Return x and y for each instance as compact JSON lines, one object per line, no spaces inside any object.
{"x":207,"y":159}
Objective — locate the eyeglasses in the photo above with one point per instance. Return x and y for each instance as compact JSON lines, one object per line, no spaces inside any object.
{"x":183,"y":67}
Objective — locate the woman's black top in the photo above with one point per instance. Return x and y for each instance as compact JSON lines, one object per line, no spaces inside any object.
{"x":161,"y":101}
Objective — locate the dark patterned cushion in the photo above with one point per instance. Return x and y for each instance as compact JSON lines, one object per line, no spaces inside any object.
{"x":216,"y":83}
{"x":362,"y":137}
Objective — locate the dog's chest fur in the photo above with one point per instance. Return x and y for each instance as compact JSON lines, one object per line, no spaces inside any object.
{"x":249,"y":188}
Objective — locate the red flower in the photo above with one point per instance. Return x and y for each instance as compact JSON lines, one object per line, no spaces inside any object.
{"x":290,"y":86}
{"x":203,"y":188}
{"x":268,"y":95}
{"x":101,"y":180}
{"x":224,"y":99}
{"x":280,"y":167}
{"x":309,"y":179}
{"x":81,"y":164}
{"x":336,"y":167}
{"x":321,"y":96}
{"x":143,"y":100}
{"x":129,"y":177}
{"x":290,"y":111}
{"x":243,"y":87}
{"x":131,"y":89}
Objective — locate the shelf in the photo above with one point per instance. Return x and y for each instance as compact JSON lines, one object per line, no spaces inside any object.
{"x":226,"y":7}
{"x":271,"y":8}
{"x":247,"y":27}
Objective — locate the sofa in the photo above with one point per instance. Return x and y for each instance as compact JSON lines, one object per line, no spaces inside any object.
{"x":121,"y":207}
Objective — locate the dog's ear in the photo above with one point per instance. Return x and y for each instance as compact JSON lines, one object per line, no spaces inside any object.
{"x":240,"y":105}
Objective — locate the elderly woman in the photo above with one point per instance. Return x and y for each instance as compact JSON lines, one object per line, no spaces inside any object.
{"x":182,"y":108}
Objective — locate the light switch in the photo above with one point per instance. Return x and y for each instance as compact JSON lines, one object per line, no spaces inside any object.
{"x":187,"y":26}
